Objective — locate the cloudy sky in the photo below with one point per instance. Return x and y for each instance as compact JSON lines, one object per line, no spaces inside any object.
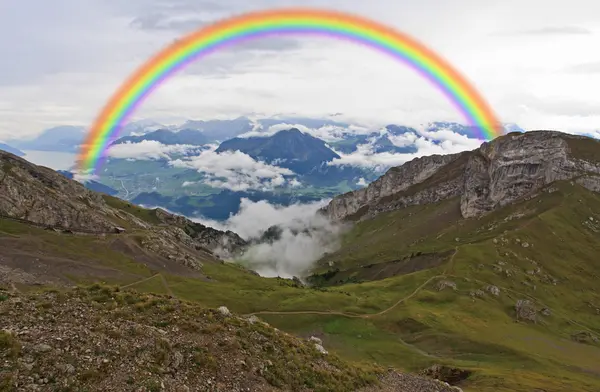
{"x":536,"y":61}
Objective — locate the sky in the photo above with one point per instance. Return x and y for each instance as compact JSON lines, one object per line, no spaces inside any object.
{"x":536,"y":62}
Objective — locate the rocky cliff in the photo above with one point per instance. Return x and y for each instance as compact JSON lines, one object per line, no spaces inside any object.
{"x":44,"y":197}
{"x":498,"y":173}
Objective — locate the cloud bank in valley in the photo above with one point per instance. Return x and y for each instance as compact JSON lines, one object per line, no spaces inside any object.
{"x":305,"y":236}
{"x":235,"y":170}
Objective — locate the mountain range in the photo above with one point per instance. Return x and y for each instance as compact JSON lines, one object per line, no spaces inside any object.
{"x":312,"y":153}
{"x":478,"y":269}
{"x":12,"y":150}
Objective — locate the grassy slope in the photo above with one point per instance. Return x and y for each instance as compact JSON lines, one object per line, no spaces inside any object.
{"x":447,"y":327}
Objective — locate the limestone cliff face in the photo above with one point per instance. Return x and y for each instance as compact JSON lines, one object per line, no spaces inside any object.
{"x":45,"y":197}
{"x":396,"y":180}
{"x":498,"y":173}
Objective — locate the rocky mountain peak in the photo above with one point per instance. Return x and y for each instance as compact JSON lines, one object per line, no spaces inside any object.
{"x":43,"y":197}
{"x":498,"y":173}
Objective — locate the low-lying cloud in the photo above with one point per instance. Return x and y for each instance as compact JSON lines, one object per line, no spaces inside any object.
{"x":328,"y":133}
{"x":305,"y":236}
{"x":236,"y":171}
{"x":442,"y":141}
{"x":147,"y":150}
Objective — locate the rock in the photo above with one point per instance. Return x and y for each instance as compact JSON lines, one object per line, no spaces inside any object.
{"x":446,"y":374}
{"x":546,"y":312}
{"x":253,"y":319}
{"x":224,"y":311}
{"x":443,"y":284}
{"x":493,"y":290}
{"x":525,"y":244}
{"x":315,"y":340}
{"x":484,"y":178}
{"x":526,"y":310}
{"x":584,"y":337}
{"x":477,"y":294}
{"x":42,"y":348}
{"x":321,"y":349}
{"x":497,"y":268}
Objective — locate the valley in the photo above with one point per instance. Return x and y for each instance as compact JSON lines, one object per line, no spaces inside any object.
{"x":479,"y":269}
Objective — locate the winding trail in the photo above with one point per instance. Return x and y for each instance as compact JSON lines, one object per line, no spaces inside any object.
{"x":364,"y":316}
{"x":162,"y":279}
{"x":351,"y":315}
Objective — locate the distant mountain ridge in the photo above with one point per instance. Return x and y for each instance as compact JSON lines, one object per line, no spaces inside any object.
{"x":12,"y":150}
{"x":291,"y":149}
{"x":168,"y":137}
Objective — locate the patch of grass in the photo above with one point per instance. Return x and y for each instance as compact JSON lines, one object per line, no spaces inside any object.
{"x":137,"y":211}
{"x":9,"y":345}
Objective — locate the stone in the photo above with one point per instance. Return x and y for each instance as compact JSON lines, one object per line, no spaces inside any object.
{"x":224,"y":311}
{"x":477,"y":294}
{"x":494,"y":290}
{"x":526,"y":310}
{"x":315,"y":340}
{"x":321,"y":349}
{"x":546,"y":312}
{"x":525,"y":244}
{"x":42,"y":348}
{"x":443,"y":284}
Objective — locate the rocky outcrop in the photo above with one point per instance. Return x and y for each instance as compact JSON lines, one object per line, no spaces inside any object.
{"x":41,"y":196}
{"x":515,"y":166}
{"x":396,"y":180}
{"x":498,"y":173}
{"x":224,"y":243}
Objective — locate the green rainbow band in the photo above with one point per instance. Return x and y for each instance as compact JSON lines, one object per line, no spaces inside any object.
{"x":285,"y":22}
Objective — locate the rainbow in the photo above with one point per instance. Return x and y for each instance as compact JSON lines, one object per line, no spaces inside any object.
{"x":302,"y":21}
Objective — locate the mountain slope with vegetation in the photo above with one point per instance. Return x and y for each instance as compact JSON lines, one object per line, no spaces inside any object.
{"x":506,"y":300}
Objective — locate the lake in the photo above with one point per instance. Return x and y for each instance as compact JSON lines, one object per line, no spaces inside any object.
{"x":52,"y":159}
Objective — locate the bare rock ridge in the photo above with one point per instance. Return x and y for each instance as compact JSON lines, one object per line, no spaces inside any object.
{"x":40,"y":195}
{"x":498,"y":173}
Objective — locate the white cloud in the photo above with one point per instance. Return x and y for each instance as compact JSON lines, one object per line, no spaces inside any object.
{"x":306,"y":236}
{"x":328,"y":133}
{"x":68,"y":57}
{"x":448,"y":142}
{"x":147,"y":150}
{"x":235,"y":170}
{"x":362,"y":182}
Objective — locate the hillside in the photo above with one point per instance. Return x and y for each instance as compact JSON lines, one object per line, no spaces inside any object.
{"x":505,"y":300}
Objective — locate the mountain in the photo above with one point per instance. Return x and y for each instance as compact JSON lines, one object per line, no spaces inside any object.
{"x":67,"y":204}
{"x":65,"y":138}
{"x":167,"y":137}
{"x":219,"y":130}
{"x":495,"y":253}
{"x":479,"y":269}
{"x":92,"y":185}
{"x":98,"y":294}
{"x":291,"y":149}
{"x":496,"y":174}
{"x":12,"y":150}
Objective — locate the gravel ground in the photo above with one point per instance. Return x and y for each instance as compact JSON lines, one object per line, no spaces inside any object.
{"x":397,"y":382}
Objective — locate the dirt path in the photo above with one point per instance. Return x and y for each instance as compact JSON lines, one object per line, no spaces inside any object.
{"x":162,"y":279}
{"x":139,"y":281}
{"x":352,"y":315}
